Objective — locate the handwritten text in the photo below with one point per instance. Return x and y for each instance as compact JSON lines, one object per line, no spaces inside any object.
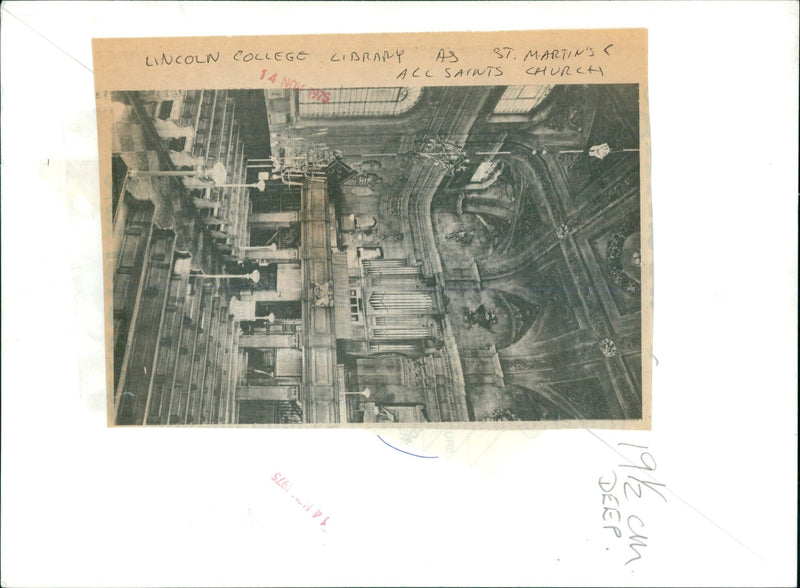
{"x":621,"y":515}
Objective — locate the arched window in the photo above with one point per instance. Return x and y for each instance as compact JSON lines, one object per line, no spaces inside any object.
{"x":521,"y":99}
{"x":355,"y":102}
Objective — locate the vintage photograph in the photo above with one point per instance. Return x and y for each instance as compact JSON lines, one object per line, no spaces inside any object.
{"x":375,"y":255}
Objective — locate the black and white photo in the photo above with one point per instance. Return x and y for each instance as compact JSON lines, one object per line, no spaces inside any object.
{"x":377,"y":255}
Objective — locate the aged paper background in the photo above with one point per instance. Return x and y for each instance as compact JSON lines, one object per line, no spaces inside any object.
{"x":85,"y":505}
{"x":613,"y":56}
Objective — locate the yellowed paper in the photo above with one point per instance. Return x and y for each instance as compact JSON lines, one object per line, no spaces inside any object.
{"x":421,"y":230}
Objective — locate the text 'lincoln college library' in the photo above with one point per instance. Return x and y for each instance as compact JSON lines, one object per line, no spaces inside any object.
{"x":376,"y":255}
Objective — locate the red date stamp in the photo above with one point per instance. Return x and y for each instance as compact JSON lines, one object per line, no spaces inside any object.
{"x":284,"y":484}
{"x":292,"y":84}
{"x":319,"y":95}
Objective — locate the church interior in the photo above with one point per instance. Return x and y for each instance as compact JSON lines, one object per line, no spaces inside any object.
{"x":377,"y":255}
